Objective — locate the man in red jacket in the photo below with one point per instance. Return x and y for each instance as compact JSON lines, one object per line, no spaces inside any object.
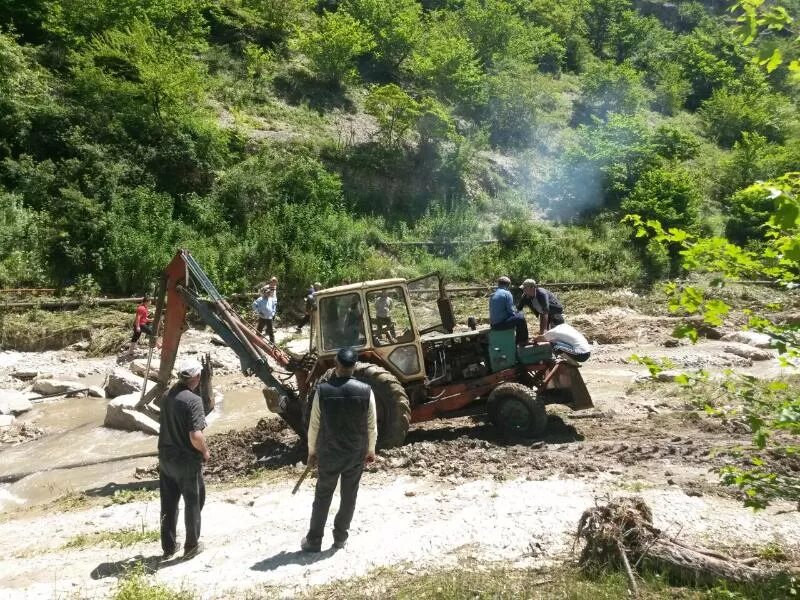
{"x":141,"y":323}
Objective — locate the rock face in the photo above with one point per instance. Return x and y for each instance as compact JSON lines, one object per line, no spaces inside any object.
{"x":56,"y":386}
{"x":746,"y":351}
{"x":13,"y":402}
{"x":121,"y":414}
{"x":751,"y":338}
{"x":121,"y":381}
{"x":96,"y":391}
{"x":139,"y":366}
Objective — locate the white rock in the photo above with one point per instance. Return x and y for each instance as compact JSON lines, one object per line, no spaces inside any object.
{"x":751,"y":338}
{"x":746,"y":351}
{"x":56,"y":386}
{"x":121,"y":381}
{"x":139,"y":366}
{"x":121,"y":414}
{"x":6,"y":421}
{"x":13,"y":402}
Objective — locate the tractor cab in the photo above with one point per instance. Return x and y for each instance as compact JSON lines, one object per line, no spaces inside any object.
{"x":374,"y":317}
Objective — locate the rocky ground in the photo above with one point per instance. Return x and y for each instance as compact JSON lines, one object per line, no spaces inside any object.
{"x":455,"y":491}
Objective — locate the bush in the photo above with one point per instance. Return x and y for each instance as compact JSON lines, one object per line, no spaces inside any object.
{"x":333,"y":45}
{"x":728,"y":114}
{"x":666,"y":194}
{"x":748,"y":209}
{"x":394,"y":26}
{"x":609,"y":88}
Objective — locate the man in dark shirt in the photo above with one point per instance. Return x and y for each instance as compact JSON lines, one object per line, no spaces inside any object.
{"x":543,"y":302}
{"x":182,"y":450}
{"x":342,"y":433}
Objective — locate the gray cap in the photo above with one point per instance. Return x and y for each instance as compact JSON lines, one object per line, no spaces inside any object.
{"x":347,"y":357}
{"x":504,"y":279}
{"x":528,"y":283}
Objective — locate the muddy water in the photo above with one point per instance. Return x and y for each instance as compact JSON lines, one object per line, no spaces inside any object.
{"x":57,"y":463}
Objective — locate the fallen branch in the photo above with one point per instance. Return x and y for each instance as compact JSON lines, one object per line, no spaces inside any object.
{"x":621,"y":532}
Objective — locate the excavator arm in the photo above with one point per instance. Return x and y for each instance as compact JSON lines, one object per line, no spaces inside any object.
{"x":185,"y":285}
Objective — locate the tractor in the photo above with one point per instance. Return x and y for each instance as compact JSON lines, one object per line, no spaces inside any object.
{"x":417,"y":373}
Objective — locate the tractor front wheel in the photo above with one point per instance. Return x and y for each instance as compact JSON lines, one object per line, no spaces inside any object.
{"x":516,"y":410}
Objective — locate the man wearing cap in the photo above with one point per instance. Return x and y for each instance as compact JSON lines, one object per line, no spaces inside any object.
{"x":182,"y":450}
{"x":310,"y":305}
{"x":543,"y":302}
{"x":502,"y":314}
{"x":342,"y":432}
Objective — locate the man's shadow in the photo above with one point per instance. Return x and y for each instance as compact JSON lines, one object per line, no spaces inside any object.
{"x":151,"y":564}
{"x":283,"y":558}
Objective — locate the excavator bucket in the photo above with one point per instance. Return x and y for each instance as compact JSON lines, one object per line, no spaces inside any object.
{"x":565,"y":379}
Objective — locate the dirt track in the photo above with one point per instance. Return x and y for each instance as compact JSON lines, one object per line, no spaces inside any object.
{"x":455,"y":492}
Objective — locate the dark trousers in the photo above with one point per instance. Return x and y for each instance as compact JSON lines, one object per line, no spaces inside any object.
{"x":180,"y":479}
{"x":516,"y":321}
{"x":331,"y":469}
{"x":268,"y":324}
{"x":306,"y":318}
{"x":385,"y":324}
{"x":146,"y":328}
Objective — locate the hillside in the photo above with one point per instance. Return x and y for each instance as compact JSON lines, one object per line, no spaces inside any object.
{"x":303,"y":138}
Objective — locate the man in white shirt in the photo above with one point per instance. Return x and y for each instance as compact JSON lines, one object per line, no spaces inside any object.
{"x":565,"y":338}
{"x":264,"y":307}
{"x":342,"y":433}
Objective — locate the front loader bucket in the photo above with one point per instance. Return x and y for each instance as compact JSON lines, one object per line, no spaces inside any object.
{"x":288,"y":407}
{"x":566,"y":378}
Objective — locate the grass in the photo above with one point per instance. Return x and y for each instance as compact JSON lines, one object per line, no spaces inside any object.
{"x":499,"y":582}
{"x":135,"y":586}
{"x":128,"y":496}
{"x":120,"y":538}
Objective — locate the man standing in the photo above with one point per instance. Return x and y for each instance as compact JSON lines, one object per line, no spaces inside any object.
{"x":383,"y":316}
{"x":543,"y":302}
{"x":141,"y":323}
{"x":182,"y":450}
{"x":502,"y":314}
{"x":310,"y":305}
{"x":342,"y":432}
{"x":264,"y":307}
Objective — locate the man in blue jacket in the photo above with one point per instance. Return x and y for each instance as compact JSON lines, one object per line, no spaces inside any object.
{"x":503,"y":313}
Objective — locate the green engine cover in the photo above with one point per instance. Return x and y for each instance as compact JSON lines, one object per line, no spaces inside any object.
{"x":504,"y":354}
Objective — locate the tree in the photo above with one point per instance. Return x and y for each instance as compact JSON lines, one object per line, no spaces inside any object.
{"x":609,"y":88}
{"x":601,"y":17}
{"x":446,"y":62}
{"x":333,"y":45}
{"x":394,"y":26}
{"x":395,"y":111}
{"x":667,"y":194}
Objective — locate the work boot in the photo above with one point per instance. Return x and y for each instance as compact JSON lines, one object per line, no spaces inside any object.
{"x":168,"y":555}
{"x":307,"y":546}
{"x":190,"y":553}
{"x":339,"y":544}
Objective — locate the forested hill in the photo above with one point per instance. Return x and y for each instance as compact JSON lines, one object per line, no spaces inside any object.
{"x":302,"y":138}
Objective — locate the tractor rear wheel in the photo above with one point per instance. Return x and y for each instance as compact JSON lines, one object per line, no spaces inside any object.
{"x":515,"y":409}
{"x":391,"y":402}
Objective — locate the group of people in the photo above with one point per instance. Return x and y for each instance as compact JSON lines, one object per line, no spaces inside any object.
{"x":553,"y":329}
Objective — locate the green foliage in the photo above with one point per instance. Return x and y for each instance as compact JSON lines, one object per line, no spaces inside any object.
{"x":727,"y":114}
{"x":514,"y":100}
{"x":601,"y":18}
{"x":749,"y":210}
{"x":666,"y":194}
{"x":20,"y":261}
{"x":333,"y":45}
{"x":135,"y":585}
{"x":609,"y":88}
{"x":395,"y":111}
{"x":394,"y":26}
{"x":446,"y":62}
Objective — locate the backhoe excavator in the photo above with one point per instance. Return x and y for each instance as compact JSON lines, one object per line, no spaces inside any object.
{"x":416,"y":374}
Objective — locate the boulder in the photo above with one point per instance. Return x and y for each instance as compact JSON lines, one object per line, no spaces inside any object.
{"x":96,"y":391}
{"x":121,"y":381}
{"x":668,"y":375}
{"x":13,"y":402}
{"x":139,"y":366}
{"x":25,"y":375}
{"x":56,"y":386}
{"x":746,"y":351}
{"x":751,"y":338}
{"x":7,"y":421}
{"x":121,"y":414}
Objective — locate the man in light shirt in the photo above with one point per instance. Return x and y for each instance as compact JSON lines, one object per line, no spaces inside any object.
{"x":383,"y":315}
{"x":265,"y":307}
{"x":342,"y":432}
{"x":565,"y":338}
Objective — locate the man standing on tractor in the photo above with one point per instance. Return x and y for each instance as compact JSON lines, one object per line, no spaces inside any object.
{"x":342,"y":432}
{"x":182,"y":450}
{"x":265,"y":307}
{"x":383,"y":316}
{"x":502,"y":314}
{"x":543,"y":302}
{"x":310,"y":305}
